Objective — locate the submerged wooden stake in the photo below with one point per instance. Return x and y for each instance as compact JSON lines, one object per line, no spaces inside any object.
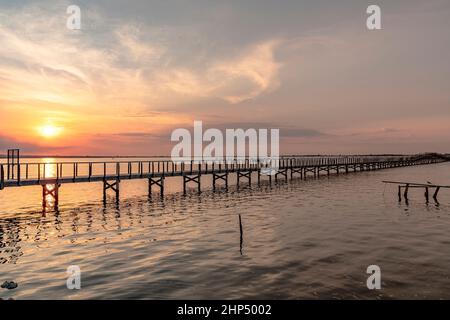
{"x":241,"y":233}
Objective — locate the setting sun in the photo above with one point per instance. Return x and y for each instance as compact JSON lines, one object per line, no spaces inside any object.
{"x":49,"y":131}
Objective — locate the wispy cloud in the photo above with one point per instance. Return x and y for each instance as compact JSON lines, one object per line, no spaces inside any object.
{"x":43,"y":60}
{"x":8,"y":143}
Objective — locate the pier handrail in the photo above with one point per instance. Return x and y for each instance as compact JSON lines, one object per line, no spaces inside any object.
{"x":356,"y":159}
{"x":331,"y":160}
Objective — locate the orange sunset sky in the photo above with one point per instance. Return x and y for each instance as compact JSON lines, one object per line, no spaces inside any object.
{"x":135,"y":72}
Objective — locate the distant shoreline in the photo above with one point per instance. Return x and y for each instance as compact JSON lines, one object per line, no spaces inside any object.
{"x":3,"y":156}
{"x":82,"y":157}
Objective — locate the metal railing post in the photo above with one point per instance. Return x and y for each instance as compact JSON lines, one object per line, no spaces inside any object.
{"x":2,"y":177}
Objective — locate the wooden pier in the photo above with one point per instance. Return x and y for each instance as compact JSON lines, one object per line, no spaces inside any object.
{"x":51,"y":176}
{"x":404,"y":187}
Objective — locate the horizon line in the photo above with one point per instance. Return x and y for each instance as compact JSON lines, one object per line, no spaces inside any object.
{"x":4,"y":156}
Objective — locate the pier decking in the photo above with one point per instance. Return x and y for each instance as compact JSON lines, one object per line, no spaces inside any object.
{"x":52,"y":175}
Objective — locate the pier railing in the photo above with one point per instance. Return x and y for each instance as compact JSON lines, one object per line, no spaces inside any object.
{"x":83,"y":171}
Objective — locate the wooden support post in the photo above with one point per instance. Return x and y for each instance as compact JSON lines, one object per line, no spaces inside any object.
{"x":427,"y":197}
{"x":219,"y":176}
{"x":299,"y":171}
{"x":244,"y":174}
{"x":283,"y":172}
{"x":191,"y":178}
{"x":156,"y":181}
{"x":114,"y":186}
{"x":400,"y":193}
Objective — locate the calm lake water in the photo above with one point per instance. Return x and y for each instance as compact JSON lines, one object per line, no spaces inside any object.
{"x":310,"y":239}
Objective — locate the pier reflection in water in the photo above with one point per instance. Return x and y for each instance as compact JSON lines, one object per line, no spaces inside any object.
{"x":50,"y":196}
{"x":301,"y":239}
